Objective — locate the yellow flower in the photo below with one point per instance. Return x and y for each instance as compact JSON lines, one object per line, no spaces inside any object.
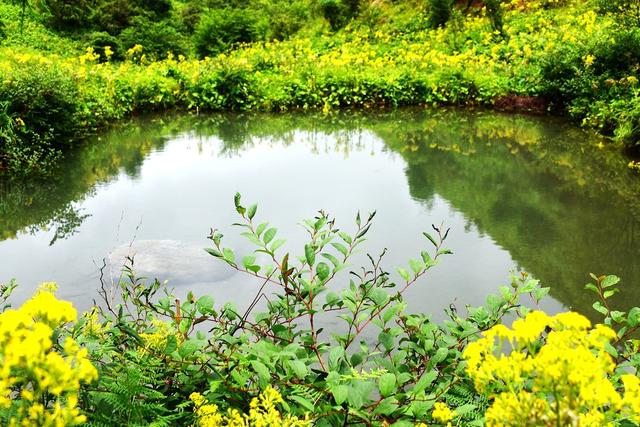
{"x":442,"y":413}
{"x":31,"y":365}
{"x":557,"y":371}
{"x":262,"y":412}
{"x":588,"y":60}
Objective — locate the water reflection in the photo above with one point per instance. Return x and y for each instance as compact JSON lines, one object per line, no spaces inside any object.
{"x":519,"y":192}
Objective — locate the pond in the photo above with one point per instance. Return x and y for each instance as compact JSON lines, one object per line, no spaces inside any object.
{"x":518,"y":192}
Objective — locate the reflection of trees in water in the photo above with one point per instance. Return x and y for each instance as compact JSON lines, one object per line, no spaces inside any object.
{"x":30,"y":206}
{"x":561,"y":207}
{"x":66,"y":222}
{"x":538,"y":188}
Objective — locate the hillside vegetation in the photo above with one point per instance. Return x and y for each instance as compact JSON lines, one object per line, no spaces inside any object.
{"x":68,"y":68}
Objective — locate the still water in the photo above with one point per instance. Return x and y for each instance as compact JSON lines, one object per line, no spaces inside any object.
{"x":518,"y":192}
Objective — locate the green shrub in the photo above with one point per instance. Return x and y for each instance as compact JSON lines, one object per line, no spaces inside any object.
{"x":38,"y":115}
{"x":157,"y":38}
{"x":380,"y":364}
{"x":43,"y":97}
{"x":286,"y":18}
{"x":99,"y":40}
{"x":440,"y":12}
{"x":222,"y":29}
{"x":496,"y":14}
{"x":66,"y":14}
{"x":626,"y":10}
{"x":332,"y":12}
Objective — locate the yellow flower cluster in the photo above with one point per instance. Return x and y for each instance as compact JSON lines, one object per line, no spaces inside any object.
{"x":442,"y":413}
{"x":157,"y":340}
{"x":32,"y":370}
{"x":262,"y":413}
{"x":556,"y":372}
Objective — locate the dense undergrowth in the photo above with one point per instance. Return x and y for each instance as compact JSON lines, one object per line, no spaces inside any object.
{"x":147,"y":357}
{"x":64,"y":78}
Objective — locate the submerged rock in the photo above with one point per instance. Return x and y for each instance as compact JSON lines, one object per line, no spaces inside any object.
{"x":173,"y":260}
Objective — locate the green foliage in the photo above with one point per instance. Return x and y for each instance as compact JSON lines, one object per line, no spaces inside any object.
{"x":338,"y":12}
{"x":223,"y":29}
{"x":626,"y":10}
{"x":378,"y":364}
{"x":496,"y":14}
{"x":38,"y":116}
{"x":626,"y":323}
{"x":440,"y":12}
{"x":389,"y":58}
{"x":332,"y":10}
{"x":606,"y":64}
{"x":66,"y":14}
{"x":157,"y":37}
{"x":99,"y":40}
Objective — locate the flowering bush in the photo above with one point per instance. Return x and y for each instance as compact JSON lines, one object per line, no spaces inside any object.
{"x":278,"y":367}
{"x":40,"y":375}
{"x":557,"y":371}
{"x":262,"y":412}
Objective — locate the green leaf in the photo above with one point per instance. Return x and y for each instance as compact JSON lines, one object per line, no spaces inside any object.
{"x":600,"y":308}
{"x":431,"y":239}
{"x":633,"y":318}
{"x":617,"y":316}
{"x":263,"y":372}
{"x":611,"y":350}
{"x":355,"y":396}
{"x":205,"y":304}
{"x":340,"y":393}
{"x":307,"y":404}
{"x":252,"y":211}
{"x":425,"y":381}
{"x":187,"y":349}
{"x":609,"y":293}
{"x":344,"y":236}
{"x":387,"y":406}
{"x":387,"y":340}
{"x":269,"y":235}
{"x":214,"y":252}
{"x":440,"y":355}
{"x":529,"y":286}
{"x":404,"y":274}
{"x":341,"y":248}
{"x":248,"y":260}
{"x":323,"y":270}
{"x":229,"y":256}
{"x":416,"y":265}
{"x":609,"y":281}
{"x":299,"y":368}
{"x":310,"y":254}
{"x":252,"y":238}
{"x":240,"y":379}
{"x":261,"y":228}
{"x":465,"y":409}
{"x":332,"y":259}
{"x":540,"y":293}
{"x":277,"y":244}
{"x":236,"y":201}
{"x":319,"y":223}
{"x":591,"y":287}
{"x":378,"y":296}
{"x":387,"y":384}
{"x":335,"y":354}
{"x":172,"y":344}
